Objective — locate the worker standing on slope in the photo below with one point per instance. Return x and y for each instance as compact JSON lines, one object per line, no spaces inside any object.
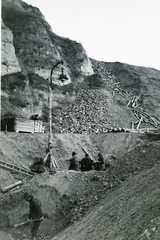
{"x":100,"y":161}
{"x":73,"y":165}
{"x":35,"y":214}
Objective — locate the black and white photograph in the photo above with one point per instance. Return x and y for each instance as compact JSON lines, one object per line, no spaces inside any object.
{"x":80,"y":120}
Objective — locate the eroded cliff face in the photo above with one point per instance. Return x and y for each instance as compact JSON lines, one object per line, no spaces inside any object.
{"x":29,"y":47}
{"x":36,"y":47}
{"x":9,"y":62}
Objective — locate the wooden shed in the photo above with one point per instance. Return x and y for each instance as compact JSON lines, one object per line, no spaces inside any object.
{"x":22,"y":125}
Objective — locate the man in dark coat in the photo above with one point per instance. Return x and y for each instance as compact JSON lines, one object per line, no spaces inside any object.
{"x":100,"y":161}
{"x":86,"y":163}
{"x":38,"y":166}
{"x":73,"y":165}
{"x":35,"y":213}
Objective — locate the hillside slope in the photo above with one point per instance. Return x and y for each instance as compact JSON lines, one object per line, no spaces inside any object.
{"x":130,"y":212}
{"x":127,"y":81}
{"x":120,"y":203}
{"x":94,"y":98}
{"x":76,"y":200}
{"x":23,"y":149}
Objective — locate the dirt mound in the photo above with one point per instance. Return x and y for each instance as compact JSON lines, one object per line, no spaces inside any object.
{"x":68,"y":196}
{"x":23,"y":149}
{"x":130,"y":212}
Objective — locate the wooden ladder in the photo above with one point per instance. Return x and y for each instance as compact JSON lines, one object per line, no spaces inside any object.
{"x":14,"y":168}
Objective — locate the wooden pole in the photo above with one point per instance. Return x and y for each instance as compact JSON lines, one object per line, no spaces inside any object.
{"x":139,"y":122}
{"x":50,"y":138}
{"x":50,"y":115}
{"x":29,"y":221}
{"x":6,"y":129}
{"x":132,"y":124}
{"x":6,"y":189}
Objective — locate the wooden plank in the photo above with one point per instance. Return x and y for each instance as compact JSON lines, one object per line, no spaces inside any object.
{"x":132,"y":124}
{"x":129,"y":103}
{"x":136,"y":115}
{"x":53,"y":160}
{"x":137,"y":106}
{"x":19,"y":183}
{"x":139,"y":122}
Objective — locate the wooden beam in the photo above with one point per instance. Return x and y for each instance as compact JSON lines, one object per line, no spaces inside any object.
{"x":139,"y":122}
{"x":19,"y":183}
{"x":132,"y":124}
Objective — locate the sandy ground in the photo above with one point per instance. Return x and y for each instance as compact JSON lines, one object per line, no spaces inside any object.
{"x":119,"y":203}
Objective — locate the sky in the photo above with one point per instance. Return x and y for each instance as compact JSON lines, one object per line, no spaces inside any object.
{"x":126,"y":31}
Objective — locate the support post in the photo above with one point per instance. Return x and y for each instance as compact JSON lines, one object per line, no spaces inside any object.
{"x":139,"y":122}
{"x":50,"y":137}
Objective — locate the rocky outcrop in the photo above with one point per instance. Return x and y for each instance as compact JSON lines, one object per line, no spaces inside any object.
{"x":101,"y":91}
{"x":30,"y":46}
{"x":37,"y":48}
{"x":9,"y":62}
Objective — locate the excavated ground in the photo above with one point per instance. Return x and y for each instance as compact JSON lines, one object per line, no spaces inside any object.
{"x":119,"y":203}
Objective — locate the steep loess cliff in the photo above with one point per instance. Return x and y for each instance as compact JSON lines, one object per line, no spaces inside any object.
{"x":37,"y":50}
{"x":9,"y":62}
{"x":36,"y":47}
{"x":29,"y":51}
